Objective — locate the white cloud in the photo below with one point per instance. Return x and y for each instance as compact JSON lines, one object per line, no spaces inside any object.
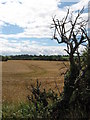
{"x":80,"y":5}
{"x":35,"y":16}
{"x":12,"y":47}
{"x":9,"y":47}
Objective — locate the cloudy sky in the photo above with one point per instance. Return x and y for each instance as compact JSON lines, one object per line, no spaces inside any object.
{"x":25,"y":25}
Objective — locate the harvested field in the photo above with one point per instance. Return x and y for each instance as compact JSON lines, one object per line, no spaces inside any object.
{"x":17,"y":75}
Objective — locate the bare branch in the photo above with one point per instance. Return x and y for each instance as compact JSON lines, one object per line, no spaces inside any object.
{"x":67,"y":51}
{"x":74,"y":36}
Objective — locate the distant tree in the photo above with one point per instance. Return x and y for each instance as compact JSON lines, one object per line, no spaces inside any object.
{"x":4,"y":58}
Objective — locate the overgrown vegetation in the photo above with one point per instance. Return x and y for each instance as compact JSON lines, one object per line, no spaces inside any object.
{"x":74,"y":101}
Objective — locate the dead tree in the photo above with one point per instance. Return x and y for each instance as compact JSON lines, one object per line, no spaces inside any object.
{"x":70,"y":30}
{"x":73,"y":36}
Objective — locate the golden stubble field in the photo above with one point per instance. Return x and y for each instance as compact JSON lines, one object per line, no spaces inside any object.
{"x":18,"y":75}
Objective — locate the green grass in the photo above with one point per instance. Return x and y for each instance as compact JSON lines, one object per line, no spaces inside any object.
{"x":23,"y":110}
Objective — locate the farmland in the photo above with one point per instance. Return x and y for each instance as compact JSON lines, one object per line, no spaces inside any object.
{"x":18,"y":75}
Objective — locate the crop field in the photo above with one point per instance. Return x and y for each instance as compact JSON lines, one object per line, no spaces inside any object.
{"x":18,"y":75}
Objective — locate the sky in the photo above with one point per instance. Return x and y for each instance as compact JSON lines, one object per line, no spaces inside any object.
{"x":25,"y":25}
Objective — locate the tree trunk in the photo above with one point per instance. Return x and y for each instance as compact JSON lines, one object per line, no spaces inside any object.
{"x":74,"y":71}
{"x":70,"y":80}
{"x":72,"y":63}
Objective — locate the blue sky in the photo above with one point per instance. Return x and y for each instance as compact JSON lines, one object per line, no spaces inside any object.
{"x":11,"y":29}
{"x":25,"y":25}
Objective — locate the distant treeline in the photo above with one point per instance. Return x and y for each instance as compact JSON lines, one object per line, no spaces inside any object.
{"x":36,"y":57}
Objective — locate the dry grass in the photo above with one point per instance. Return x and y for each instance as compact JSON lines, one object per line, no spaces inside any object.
{"x":17,"y":75}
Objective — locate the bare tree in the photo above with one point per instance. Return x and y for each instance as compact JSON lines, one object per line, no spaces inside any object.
{"x":71,"y":32}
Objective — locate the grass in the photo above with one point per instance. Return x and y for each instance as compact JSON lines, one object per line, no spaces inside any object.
{"x":13,"y":111}
{"x":17,"y":75}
